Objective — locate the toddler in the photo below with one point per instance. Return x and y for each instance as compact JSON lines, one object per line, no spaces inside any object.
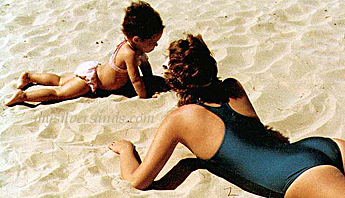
{"x":142,"y":28}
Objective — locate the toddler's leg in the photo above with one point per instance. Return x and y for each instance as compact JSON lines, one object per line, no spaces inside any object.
{"x":71,"y":89}
{"x":42,"y":78}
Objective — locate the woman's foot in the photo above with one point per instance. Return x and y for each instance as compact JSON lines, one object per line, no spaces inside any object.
{"x":23,"y":80}
{"x":19,"y":96}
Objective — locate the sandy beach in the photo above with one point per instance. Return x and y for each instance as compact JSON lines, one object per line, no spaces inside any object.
{"x":288,"y":55}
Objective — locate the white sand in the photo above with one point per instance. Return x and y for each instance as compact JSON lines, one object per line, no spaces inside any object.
{"x":289,"y":55}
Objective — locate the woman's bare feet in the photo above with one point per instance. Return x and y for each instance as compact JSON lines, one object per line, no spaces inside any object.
{"x":23,"y":80}
{"x":19,"y":96}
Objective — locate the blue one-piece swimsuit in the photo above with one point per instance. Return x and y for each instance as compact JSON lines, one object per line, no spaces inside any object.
{"x":252,"y":159}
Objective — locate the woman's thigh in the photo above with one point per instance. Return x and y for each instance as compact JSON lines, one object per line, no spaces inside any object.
{"x":319,"y":182}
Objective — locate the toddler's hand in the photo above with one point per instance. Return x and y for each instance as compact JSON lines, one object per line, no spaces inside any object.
{"x":155,"y":95}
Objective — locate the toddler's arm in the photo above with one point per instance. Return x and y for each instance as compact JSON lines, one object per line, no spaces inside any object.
{"x":135,"y":78}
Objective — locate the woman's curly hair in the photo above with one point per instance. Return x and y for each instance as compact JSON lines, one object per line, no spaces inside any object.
{"x":192,"y":72}
{"x":141,"y":20}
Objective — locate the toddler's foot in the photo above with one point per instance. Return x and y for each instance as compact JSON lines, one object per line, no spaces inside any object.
{"x":121,"y":145}
{"x":113,"y":147}
{"x":17,"y":97}
{"x":23,"y":80}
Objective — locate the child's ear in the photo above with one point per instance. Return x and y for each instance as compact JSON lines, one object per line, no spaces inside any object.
{"x":136,"y":39}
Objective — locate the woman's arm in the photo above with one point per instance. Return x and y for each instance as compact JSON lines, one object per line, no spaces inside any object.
{"x":146,"y":68}
{"x":141,"y":175}
{"x":239,"y":100}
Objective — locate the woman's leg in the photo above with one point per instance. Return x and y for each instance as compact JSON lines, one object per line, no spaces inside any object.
{"x":71,"y":89}
{"x":42,"y":78}
{"x":319,"y":182}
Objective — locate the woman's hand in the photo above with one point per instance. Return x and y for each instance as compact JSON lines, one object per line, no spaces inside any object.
{"x":121,"y":146}
{"x":142,"y":174}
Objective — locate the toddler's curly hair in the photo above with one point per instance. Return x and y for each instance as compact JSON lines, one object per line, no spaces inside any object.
{"x":141,"y":20}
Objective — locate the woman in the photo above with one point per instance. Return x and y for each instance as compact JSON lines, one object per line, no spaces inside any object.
{"x":217,"y":122}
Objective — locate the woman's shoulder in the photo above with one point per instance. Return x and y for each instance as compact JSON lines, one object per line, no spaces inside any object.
{"x":187,"y":113}
{"x":189,"y":109}
{"x":181,"y":119}
{"x":185,"y":119}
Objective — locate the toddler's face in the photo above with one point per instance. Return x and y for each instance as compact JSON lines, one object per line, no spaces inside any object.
{"x":149,"y":45}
